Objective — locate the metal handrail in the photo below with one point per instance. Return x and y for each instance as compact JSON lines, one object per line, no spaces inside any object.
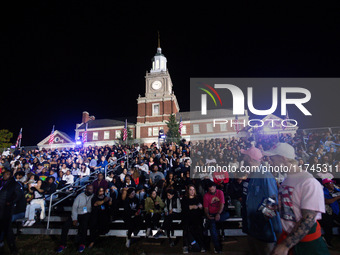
{"x":80,"y":188}
{"x":127,"y":162}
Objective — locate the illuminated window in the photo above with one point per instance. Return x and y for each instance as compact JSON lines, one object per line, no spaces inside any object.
{"x":210,"y":127}
{"x":155,"y":131}
{"x":155,"y":109}
{"x":106,"y":134}
{"x":184,"y":130}
{"x":149,"y":131}
{"x":223,"y":127}
{"x":95,"y":136}
{"x":118,"y":134}
{"x":196,"y":128}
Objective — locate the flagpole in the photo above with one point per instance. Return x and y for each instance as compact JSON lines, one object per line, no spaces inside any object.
{"x":20,"y":138}
{"x":126,"y":132}
{"x":126,"y":142}
{"x":50,"y":135}
{"x":127,"y":158}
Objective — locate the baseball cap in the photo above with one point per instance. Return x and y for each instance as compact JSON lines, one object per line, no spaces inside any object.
{"x":325,"y":181}
{"x":253,"y":153}
{"x":281,"y":149}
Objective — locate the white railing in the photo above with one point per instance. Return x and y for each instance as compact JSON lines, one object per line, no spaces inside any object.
{"x":51,"y":205}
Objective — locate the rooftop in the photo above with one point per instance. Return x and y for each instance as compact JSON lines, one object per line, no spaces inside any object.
{"x":211,"y":114}
{"x":98,"y":123}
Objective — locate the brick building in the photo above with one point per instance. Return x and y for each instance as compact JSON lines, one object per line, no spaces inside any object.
{"x":153,"y":110}
{"x":61,"y":140}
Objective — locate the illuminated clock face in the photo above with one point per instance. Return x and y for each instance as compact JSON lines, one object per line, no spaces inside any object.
{"x":156,"y":85}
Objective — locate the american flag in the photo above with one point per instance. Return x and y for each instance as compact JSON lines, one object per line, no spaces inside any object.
{"x":50,"y":141}
{"x":237,"y":127}
{"x":125,"y":133}
{"x":19,"y":139}
{"x":180,"y":126}
{"x":85,"y":134}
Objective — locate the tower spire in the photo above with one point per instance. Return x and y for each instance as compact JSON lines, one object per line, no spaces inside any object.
{"x":159,"y":60}
{"x":159,"y":39}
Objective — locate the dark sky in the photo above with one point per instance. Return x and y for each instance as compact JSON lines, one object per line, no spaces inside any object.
{"x":60,"y":58}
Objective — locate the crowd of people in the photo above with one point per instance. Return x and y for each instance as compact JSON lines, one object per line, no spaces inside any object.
{"x":279,"y":211}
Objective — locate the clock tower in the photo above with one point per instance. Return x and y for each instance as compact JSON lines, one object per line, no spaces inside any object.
{"x":159,"y":101}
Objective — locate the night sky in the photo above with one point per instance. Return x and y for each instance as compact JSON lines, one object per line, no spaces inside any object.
{"x":58,"y":59}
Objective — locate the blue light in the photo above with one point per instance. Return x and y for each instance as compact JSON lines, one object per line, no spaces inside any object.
{"x":79,"y":141}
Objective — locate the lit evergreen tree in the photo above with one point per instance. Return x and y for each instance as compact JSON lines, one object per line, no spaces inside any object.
{"x":172,"y":135}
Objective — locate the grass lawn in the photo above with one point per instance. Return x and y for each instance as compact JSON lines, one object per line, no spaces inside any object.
{"x":46,"y":245}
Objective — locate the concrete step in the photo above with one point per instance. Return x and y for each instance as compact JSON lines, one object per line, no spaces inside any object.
{"x":114,"y":232}
{"x":69,"y":208}
{"x":122,"y":232}
{"x":64,"y":218}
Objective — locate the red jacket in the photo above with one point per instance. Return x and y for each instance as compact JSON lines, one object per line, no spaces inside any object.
{"x":221,"y":177}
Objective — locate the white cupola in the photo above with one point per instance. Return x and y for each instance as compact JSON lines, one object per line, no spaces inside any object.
{"x":159,"y":60}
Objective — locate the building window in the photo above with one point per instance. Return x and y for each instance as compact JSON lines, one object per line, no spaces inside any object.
{"x":155,"y":131}
{"x":210,"y":127}
{"x":118,"y":134}
{"x":223,"y":127}
{"x":155,"y":109}
{"x":150,"y":131}
{"x":95,"y":136}
{"x":184,"y":130}
{"x":196,"y":128}
{"x":157,"y":64}
{"x":106,"y":134}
